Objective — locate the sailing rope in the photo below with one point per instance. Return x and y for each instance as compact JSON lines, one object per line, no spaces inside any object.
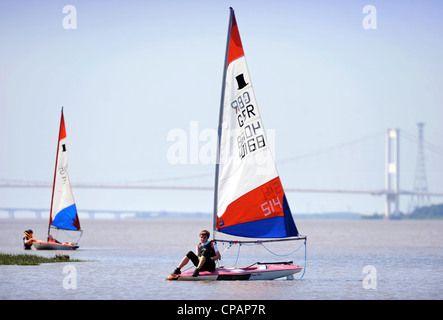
{"x":69,"y":235}
{"x":280,"y":255}
{"x":284,"y":255}
{"x":226,"y":250}
{"x":304,"y":268}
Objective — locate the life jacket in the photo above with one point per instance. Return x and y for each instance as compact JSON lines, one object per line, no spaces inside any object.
{"x":209,"y":247}
{"x":26,"y":237}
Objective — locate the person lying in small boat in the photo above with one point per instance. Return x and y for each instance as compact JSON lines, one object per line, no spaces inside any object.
{"x":204,"y":258}
{"x":28,"y":239}
{"x":52,"y":239}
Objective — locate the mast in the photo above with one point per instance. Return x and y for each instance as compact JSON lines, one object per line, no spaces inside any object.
{"x":55,"y":173}
{"x":220,"y":119}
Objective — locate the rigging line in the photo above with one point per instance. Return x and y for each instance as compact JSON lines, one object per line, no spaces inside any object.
{"x":226,"y":249}
{"x":238,"y":251}
{"x":282,"y":255}
{"x":238,"y":255}
{"x":240,"y":244}
{"x":304,"y":268}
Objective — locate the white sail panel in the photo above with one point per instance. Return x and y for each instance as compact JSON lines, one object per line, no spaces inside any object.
{"x":245,"y":158}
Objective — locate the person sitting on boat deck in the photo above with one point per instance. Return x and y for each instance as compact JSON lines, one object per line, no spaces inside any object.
{"x":28,"y":239}
{"x":204,"y":258}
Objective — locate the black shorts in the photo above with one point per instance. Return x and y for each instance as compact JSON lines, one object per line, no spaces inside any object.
{"x":209,"y":263}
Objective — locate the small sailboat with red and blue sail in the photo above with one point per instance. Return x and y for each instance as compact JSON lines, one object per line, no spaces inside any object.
{"x":64,"y":231}
{"x":250,"y":205}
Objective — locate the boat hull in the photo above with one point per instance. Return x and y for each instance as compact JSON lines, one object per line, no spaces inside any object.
{"x":260,"y":272}
{"x":44,"y":245}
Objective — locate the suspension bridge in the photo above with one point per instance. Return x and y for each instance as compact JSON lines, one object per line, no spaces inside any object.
{"x":392,"y":192}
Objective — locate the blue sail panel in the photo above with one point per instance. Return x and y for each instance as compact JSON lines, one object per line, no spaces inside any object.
{"x":67,"y":219}
{"x":266,"y":228}
{"x":275,"y":227}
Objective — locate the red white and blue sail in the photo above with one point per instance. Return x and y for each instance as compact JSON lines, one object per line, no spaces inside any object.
{"x":249,"y":197}
{"x":63,"y":213}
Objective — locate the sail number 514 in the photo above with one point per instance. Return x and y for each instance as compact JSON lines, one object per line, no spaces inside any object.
{"x":271,"y":206}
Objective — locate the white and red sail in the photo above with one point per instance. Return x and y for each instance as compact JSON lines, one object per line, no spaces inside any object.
{"x":63,"y":213}
{"x":249,"y":197}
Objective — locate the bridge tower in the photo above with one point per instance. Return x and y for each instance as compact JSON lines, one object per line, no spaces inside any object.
{"x":392,"y":173}
{"x":420,"y":183}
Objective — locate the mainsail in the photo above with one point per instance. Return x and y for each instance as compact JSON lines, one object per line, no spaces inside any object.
{"x":249,"y":199}
{"x":63,"y":214}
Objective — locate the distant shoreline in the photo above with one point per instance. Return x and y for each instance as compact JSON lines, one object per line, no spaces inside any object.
{"x":434,"y":212}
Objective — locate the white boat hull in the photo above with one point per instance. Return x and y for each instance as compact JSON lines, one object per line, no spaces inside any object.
{"x":260,"y":272}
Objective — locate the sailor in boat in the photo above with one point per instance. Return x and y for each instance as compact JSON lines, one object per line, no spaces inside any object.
{"x":28,"y":239}
{"x":53,"y":240}
{"x":204,"y":258}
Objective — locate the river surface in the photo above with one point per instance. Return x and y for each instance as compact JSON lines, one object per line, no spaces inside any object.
{"x":130,"y":258}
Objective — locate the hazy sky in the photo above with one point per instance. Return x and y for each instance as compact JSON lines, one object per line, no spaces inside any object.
{"x":140,"y":82}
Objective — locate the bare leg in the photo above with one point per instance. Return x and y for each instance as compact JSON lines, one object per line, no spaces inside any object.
{"x":184,"y":262}
{"x":201,"y":262}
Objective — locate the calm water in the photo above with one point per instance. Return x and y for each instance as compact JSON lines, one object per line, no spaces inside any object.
{"x":129,"y":259}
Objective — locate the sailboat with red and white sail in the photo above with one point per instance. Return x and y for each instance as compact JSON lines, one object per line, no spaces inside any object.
{"x":249,"y":199}
{"x":63,"y":218}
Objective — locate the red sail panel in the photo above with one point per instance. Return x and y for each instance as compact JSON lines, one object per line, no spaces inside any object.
{"x":62,"y":133}
{"x":263,"y":202}
{"x":235,"y":46}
